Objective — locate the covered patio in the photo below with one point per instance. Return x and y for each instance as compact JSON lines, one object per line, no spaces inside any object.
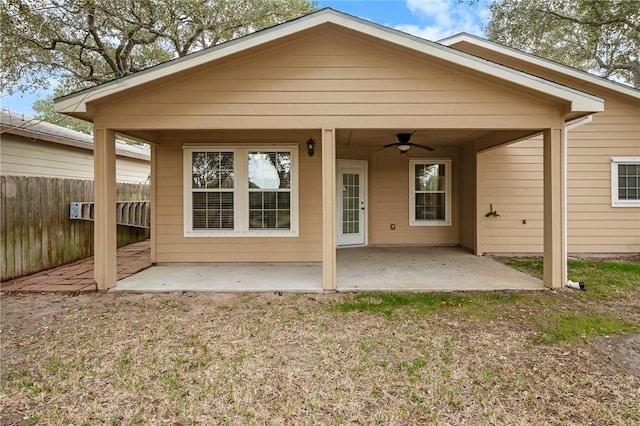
{"x":399,"y":268}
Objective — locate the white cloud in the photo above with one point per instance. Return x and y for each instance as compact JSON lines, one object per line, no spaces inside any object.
{"x":446,"y":17}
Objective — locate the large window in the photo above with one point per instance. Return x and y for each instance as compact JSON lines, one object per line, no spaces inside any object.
{"x":430,"y":192}
{"x":240,"y":191}
{"x":625,"y":181}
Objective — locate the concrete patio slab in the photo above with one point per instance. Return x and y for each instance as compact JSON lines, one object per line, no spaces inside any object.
{"x":359,"y":269}
{"x":227,"y":277}
{"x":426,"y":269}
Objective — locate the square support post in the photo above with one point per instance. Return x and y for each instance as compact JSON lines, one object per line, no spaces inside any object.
{"x":153,"y":193}
{"x":104,"y":227}
{"x":555,"y":258}
{"x":328,"y":209}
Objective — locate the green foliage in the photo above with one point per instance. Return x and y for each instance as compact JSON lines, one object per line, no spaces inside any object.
{"x":554,"y":328}
{"x":84,"y":43}
{"x":603,"y":279}
{"x":598,"y":36}
{"x":44,"y":111}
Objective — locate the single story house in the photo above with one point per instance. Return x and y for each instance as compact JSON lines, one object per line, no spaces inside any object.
{"x":330,"y":131}
{"x":32,"y":147}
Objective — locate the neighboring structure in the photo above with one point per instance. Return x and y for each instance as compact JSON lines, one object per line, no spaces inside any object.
{"x":43,"y":168}
{"x":31,"y":147}
{"x":268,"y":148}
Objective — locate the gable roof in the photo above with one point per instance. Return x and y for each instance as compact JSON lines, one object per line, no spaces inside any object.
{"x":542,"y":62}
{"x":29,"y":127}
{"x":76,"y":103}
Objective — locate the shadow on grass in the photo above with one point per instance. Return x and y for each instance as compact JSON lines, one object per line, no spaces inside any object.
{"x":422,"y":303}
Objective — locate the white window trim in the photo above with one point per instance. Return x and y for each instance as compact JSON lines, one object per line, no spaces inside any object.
{"x":240,"y":192}
{"x":615,"y":161}
{"x":448,"y":190}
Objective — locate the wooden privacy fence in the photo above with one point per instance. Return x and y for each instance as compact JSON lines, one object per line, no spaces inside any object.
{"x":36,"y":232}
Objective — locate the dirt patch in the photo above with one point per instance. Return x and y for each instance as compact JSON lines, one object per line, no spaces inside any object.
{"x":624,"y":351}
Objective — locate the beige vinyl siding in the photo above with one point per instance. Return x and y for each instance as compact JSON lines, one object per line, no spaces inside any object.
{"x":22,"y":157}
{"x":511,"y":179}
{"x":388,"y":196}
{"x":593,"y":225}
{"x":172,"y":246}
{"x":130,"y":170}
{"x":325,"y":79}
{"x":389,"y":201}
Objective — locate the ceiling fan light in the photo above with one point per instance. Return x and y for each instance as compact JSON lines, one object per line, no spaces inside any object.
{"x":404,"y":147}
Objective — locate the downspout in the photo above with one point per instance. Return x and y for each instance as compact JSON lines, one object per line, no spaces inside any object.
{"x":565,"y":159}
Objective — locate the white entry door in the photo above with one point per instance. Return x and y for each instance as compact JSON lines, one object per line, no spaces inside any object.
{"x":351,"y":214}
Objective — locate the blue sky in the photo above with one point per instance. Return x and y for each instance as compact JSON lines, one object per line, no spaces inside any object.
{"x":430,"y":19}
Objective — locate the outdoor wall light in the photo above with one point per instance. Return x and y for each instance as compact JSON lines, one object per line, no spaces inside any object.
{"x":311,"y":147}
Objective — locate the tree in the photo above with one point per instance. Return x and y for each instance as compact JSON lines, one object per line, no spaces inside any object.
{"x":82,"y":43}
{"x":44,"y":111}
{"x":600,"y":36}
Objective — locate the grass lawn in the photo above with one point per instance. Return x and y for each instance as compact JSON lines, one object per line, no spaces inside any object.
{"x":553,"y":357}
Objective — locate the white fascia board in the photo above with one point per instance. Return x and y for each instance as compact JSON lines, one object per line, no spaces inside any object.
{"x":546,"y":63}
{"x":580,"y":102}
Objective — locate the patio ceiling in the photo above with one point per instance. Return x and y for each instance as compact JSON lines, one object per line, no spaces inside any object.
{"x":347,"y":137}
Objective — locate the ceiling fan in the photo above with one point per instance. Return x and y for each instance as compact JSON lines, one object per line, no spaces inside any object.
{"x":403,"y":143}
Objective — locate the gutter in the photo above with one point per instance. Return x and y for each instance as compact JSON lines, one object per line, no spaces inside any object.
{"x":565,"y":159}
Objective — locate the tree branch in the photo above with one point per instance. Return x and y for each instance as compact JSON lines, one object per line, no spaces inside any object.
{"x":617,"y":20}
{"x":96,"y":38}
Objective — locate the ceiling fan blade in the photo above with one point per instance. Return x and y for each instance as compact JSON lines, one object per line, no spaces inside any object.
{"x":428,"y":148}
{"x":390,"y":145}
{"x":385,"y":147}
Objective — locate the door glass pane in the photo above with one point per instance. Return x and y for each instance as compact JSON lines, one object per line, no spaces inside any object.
{"x":350,"y":204}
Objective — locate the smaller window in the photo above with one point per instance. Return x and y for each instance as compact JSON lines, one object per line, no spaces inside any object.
{"x":625,"y":181}
{"x":430,"y":197}
{"x":212,"y":177}
{"x":270,"y":190}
